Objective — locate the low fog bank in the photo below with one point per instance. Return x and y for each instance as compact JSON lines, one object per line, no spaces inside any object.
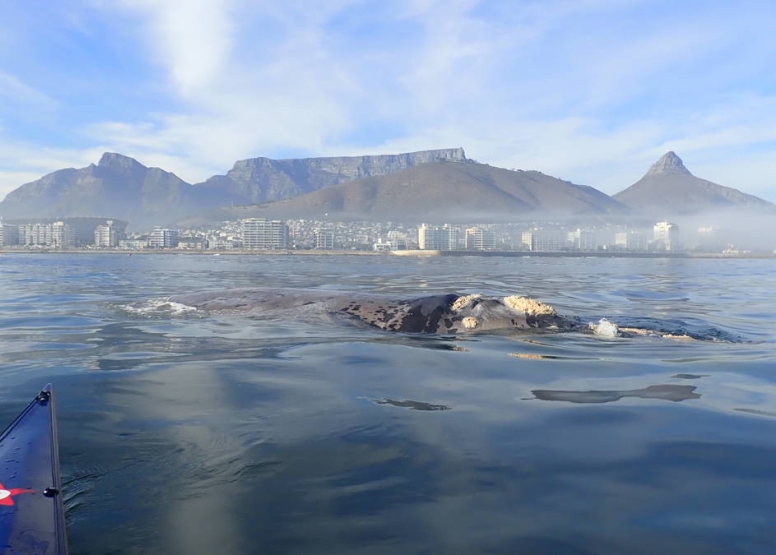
{"x":729,"y":230}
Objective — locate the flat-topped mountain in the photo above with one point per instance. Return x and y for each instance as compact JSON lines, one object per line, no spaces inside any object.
{"x":668,"y":188}
{"x":441,"y":191}
{"x":258,"y":180}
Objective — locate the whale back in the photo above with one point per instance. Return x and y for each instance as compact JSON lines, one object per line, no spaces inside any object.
{"x":449,"y":313}
{"x":444,"y":313}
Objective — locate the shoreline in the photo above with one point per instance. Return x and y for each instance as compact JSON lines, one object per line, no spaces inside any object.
{"x":407,"y":253}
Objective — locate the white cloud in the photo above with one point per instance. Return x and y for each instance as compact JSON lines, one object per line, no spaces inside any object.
{"x":590,"y":90}
{"x":193,"y":38}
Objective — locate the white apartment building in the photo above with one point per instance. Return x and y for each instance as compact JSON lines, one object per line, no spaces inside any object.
{"x":631,"y":240}
{"x":263,"y":234}
{"x":666,"y":237}
{"x":57,"y":235}
{"x":62,"y":236}
{"x":107,"y":235}
{"x":545,"y":240}
{"x":324,"y":239}
{"x":163,"y":238}
{"x":480,"y":239}
{"x":444,"y":238}
{"x":583,"y":240}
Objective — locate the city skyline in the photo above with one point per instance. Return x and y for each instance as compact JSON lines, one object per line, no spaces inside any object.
{"x":589,"y":91}
{"x":261,"y":234}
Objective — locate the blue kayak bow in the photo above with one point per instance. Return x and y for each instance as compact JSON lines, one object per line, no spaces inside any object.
{"x":31,"y":512}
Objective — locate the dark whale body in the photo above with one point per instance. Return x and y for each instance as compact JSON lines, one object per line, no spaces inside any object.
{"x":446,"y":313}
{"x":436,"y":314}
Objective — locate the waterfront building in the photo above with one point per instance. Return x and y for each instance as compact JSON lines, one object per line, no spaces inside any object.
{"x":545,"y":240}
{"x":583,"y":240}
{"x":263,"y":234}
{"x":163,"y":238}
{"x":9,"y":235}
{"x":398,"y":240}
{"x":192,"y":243}
{"x":480,"y":239}
{"x":133,"y":244}
{"x":35,"y":235}
{"x":665,"y":237}
{"x":323,"y":239}
{"x":62,"y":236}
{"x":108,"y":235}
{"x":631,"y":240}
{"x":443,"y":238}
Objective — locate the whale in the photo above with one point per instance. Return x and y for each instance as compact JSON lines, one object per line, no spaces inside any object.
{"x":449,"y":313}
{"x":443,"y":313}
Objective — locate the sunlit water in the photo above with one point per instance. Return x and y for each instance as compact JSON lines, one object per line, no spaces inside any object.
{"x":183,"y":432}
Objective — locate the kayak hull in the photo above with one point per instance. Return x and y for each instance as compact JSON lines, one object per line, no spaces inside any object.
{"x":31,"y":508}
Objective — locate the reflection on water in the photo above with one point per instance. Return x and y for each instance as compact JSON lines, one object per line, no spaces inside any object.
{"x":666,"y":392}
{"x":412,"y":405}
{"x":184,"y":433}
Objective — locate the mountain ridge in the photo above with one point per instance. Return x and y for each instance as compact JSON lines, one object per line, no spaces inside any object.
{"x":450,"y":191}
{"x":441,"y":181}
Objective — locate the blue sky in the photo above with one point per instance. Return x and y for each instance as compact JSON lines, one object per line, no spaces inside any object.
{"x":592,"y":91}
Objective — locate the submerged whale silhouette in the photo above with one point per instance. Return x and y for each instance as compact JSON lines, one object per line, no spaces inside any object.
{"x":447,"y":313}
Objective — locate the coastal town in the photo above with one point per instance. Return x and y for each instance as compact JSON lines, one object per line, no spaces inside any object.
{"x":263,"y":235}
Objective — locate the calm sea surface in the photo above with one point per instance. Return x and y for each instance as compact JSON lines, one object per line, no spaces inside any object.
{"x":215,"y":433}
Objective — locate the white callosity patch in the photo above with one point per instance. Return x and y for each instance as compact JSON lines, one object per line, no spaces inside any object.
{"x":469,"y":322}
{"x":464,"y":300}
{"x":529,"y":306}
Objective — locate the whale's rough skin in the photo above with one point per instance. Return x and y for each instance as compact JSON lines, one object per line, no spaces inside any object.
{"x":450,"y":313}
{"x":436,"y":314}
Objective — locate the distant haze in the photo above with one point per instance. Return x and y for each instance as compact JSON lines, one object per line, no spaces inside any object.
{"x":433,"y":185}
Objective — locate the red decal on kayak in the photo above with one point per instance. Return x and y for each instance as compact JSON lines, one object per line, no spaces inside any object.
{"x":6,"y":495}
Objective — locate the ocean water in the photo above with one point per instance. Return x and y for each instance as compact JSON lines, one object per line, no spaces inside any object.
{"x":188,"y":432}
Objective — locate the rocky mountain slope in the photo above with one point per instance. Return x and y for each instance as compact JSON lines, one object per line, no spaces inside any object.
{"x":428,"y":185}
{"x":258,"y":180}
{"x":121,"y":187}
{"x":441,"y":191}
{"x":117,"y":187}
{"x":669,"y":189}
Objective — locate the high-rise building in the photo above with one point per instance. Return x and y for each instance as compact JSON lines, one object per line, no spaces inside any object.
{"x":631,"y":240}
{"x":666,"y":237}
{"x":480,"y":239}
{"x":444,"y":238}
{"x":548,"y":240}
{"x":107,"y":235}
{"x":162,"y":238}
{"x":62,"y":235}
{"x":324,"y":239}
{"x":263,"y":234}
{"x":9,"y":235}
{"x":35,"y":235}
{"x":583,"y":240}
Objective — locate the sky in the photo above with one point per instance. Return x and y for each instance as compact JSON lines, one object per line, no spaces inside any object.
{"x":591,"y":91}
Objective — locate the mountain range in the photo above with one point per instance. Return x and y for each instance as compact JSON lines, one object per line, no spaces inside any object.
{"x":432,"y":185}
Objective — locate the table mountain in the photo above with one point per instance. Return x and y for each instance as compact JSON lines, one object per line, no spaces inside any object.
{"x":440,"y":191}
{"x":258,"y":180}
{"x":668,"y":188}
